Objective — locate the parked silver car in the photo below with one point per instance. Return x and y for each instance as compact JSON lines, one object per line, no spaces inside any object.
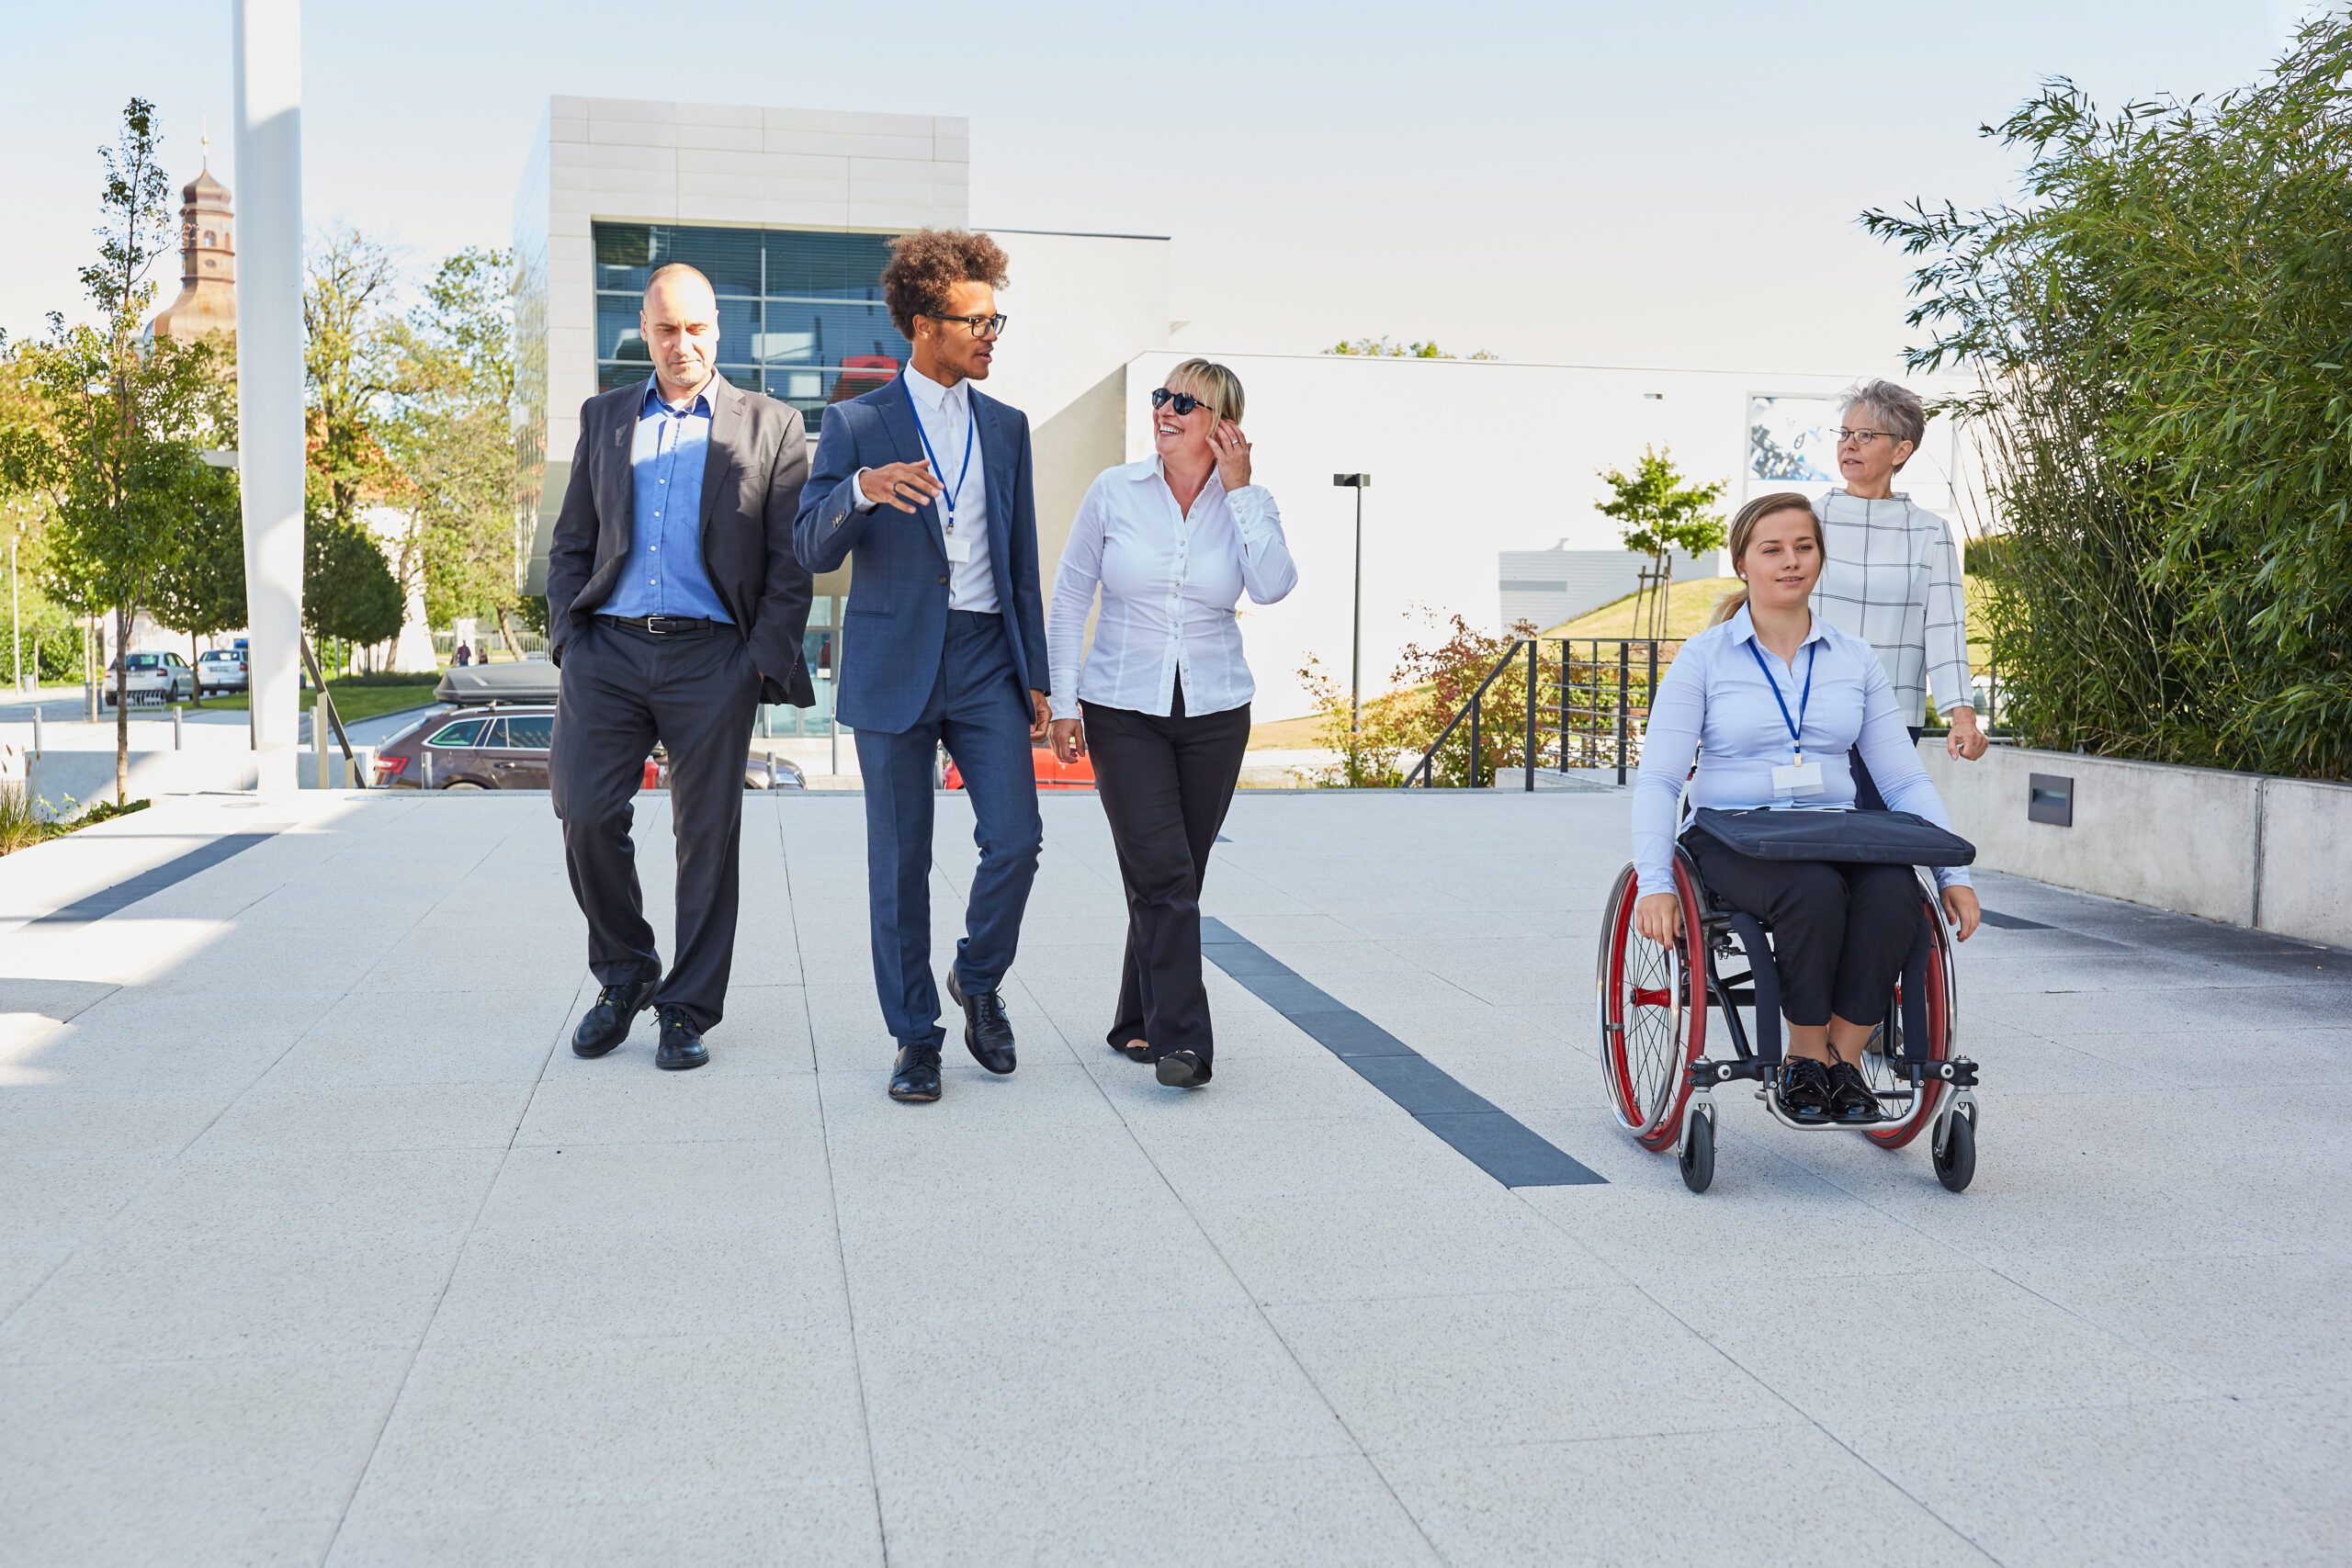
{"x":221,"y":670}
{"x":148,"y":675}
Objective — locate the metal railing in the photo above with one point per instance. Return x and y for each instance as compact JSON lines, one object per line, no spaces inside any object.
{"x":1585,"y":706}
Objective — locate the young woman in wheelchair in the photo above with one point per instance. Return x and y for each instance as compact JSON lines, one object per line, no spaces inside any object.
{"x":1772,"y":701}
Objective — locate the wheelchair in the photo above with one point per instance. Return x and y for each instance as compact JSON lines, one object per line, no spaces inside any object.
{"x":1653,"y":1003}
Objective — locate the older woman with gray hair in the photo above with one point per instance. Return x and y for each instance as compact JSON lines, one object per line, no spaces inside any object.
{"x":1891,"y":576}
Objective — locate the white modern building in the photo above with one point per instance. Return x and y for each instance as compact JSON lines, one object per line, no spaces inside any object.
{"x":788,"y":211}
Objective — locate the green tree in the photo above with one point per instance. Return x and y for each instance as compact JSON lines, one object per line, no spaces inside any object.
{"x":2162,"y":330}
{"x":1381,"y":348}
{"x":350,"y":371}
{"x":126,"y":418}
{"x":1658,"y":513}
{"x":453,"y":442}
{"x":349,"y":594}
{"x":202,"y":592}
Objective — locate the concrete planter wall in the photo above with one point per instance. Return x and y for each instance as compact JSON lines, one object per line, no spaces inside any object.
{"x":2252,"y":851}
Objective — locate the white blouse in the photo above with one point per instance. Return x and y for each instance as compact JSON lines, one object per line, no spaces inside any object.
{"x":1168,"y":584}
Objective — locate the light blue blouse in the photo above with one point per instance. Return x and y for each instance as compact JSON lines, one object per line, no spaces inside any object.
{"x":1714,"y":703}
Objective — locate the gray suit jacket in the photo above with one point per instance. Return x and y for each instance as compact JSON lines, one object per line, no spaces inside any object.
{"x":751,"y":494}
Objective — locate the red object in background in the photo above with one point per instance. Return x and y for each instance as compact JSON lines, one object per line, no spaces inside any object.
{"x":861,"y":374}
{"x":1052,"y":772}
{"x":653,"y":774}
{"x":389,"y":768}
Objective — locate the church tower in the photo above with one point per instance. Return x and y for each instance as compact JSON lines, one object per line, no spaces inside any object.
{"x":207,"y":300}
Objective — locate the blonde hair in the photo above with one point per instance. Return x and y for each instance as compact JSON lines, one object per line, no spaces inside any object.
{"x":1213,"y":384}
{"x":1742,"y":529}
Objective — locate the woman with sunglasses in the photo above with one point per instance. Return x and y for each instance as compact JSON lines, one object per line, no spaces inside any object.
{"x":1891,"y":576}
{"x":1161,"y":699}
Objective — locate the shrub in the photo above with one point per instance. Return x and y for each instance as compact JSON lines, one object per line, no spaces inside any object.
{"x":2164,"y":333}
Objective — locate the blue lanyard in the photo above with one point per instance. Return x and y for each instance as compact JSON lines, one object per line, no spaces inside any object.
{"x":1796,"y":725}
{"x":970,"y":424}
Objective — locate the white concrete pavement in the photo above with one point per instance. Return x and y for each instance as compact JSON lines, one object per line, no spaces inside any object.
{"x":318,"y":1245}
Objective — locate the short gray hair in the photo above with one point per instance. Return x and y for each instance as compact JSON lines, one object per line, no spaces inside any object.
{"x":1897,"y":408}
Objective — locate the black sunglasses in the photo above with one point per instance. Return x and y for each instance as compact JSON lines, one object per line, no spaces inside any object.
{"x":1186,"y":402}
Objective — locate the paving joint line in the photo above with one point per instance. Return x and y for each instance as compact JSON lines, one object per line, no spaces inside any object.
{"x":832,"y":1195}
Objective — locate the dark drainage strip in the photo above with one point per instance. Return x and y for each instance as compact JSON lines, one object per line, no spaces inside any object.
{"x":2010,"y":922}
{"x":122,"y":895}
{"x":1491,"y":1139}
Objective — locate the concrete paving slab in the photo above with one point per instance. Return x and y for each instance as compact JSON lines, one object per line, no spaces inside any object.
{"x":1798,"y":1496}
{"x":347,"y":1258}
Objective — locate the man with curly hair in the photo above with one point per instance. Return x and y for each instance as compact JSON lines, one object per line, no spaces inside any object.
{"x":925,"y":485}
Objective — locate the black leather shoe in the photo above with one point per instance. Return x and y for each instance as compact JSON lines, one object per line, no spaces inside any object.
{"x":987,"y":1034}
{"x":1182,"y":1069}
{"x":607,"y":1023}
{"x":682,"y":1045}
{"x":1133,"y":1050}
{"x":1850,"y":1100}
{"x":1804,"y":1089}
{"x":916,"y":1076}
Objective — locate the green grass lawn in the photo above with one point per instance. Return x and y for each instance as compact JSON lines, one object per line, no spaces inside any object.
{"x":354,"y":701}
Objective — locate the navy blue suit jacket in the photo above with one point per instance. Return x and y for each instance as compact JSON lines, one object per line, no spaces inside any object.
{"x":896,"y":622}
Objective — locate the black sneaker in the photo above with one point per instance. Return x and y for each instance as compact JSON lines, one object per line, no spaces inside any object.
{"x":1804,"y":1089}
{"x":1850,"y":1100}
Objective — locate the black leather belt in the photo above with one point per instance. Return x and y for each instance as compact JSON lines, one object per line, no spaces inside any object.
{"x":665,"y":626}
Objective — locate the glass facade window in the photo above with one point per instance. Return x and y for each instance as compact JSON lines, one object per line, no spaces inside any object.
{"x":800,"y":313}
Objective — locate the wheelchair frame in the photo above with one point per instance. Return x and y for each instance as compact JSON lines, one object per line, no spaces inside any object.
{"x":1928,"y":1084}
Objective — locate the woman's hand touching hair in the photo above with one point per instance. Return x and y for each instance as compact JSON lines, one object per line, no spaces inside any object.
{"x":1232,"y":451}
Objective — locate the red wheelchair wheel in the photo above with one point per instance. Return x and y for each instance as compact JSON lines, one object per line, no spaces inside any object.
{"x":1942,"y":998}
{"x":1653,"y":1007}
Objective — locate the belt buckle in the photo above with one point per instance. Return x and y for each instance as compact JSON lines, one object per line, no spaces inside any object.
{"x":652,"y":630}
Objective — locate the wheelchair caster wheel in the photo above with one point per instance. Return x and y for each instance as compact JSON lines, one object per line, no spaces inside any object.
{"x":1956,"y":1161}
{"x":1698,"y":1155}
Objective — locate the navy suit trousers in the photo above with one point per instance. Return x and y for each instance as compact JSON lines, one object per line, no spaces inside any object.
{"x":979,"y":708}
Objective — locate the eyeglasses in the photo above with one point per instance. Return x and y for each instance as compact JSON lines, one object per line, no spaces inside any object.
{"x":1186,"y":402}
{"x":1863,"y":437}
{"x":982,"y":326}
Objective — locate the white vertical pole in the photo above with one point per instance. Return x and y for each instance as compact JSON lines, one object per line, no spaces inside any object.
{"x":267,"y":62}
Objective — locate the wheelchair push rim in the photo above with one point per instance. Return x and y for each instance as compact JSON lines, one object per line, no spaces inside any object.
{"x":1942,"y":1016}
{"x":1653,"y":1012}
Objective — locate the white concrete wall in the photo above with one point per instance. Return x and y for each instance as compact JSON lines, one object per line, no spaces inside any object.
{"x":2242,"y":847}
{"x":2307,"y":860}
{"x":1468,"y":459}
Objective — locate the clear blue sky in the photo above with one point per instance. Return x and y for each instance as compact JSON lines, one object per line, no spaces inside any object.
{"x":1660,"y":184}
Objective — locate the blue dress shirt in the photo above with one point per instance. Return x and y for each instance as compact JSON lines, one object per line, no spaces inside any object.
{"x":1714,"y":703}
{"x":664,"y":573}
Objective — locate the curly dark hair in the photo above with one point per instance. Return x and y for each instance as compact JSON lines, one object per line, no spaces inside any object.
{"x":926,"y":263}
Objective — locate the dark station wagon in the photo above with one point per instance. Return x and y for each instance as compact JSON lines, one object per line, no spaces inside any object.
{"x":497,"y":733}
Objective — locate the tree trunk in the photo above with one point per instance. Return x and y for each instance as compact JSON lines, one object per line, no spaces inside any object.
{"x":507,"y":633}
{"x":196,"y":673}
{"x":122,"y":706}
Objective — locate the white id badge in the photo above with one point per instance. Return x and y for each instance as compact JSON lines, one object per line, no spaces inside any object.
{"x":960,"y":551}
{"x":1797,"y":778}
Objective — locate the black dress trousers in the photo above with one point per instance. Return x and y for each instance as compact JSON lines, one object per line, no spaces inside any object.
{"x":624,"y":688}
{"x":1840,"y":932}
{"x":1165,"y":784}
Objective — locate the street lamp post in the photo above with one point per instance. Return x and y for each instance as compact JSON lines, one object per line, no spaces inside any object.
{"x":1358,"y":483}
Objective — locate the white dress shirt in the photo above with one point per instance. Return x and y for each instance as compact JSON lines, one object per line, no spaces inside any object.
{"x":1169,"y":583}
{"x":945,"y":415}
{"x":1890,"y":575}
{"x":1717,"y":702}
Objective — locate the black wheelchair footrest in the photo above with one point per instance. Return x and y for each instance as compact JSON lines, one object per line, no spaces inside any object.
{"x":1960,"y":1072}
{"x":1704,"y":1072}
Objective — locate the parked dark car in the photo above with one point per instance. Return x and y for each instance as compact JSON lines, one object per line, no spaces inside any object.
{"x":504,"y":746}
